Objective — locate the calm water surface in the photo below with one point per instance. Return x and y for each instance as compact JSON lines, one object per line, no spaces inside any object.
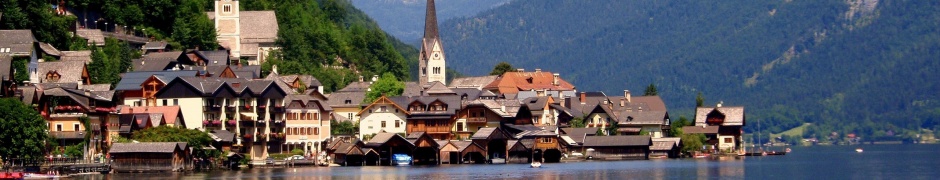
{"x":818,"y":162}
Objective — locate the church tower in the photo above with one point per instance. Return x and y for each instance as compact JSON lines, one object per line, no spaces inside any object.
{"x":227,"y":25}
{"x":431,"y":58}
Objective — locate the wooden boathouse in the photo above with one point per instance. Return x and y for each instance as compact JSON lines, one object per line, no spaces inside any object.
{"x":150,"y":157}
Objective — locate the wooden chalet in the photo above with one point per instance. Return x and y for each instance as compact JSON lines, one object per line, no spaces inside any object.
{"x":478,"y":114}
{"x":431,"y":114}
{"x":722,"y":126}
{"x":388,"y":144}
{"x":494,"y":140}
{"x":426,"y":149}
{"x":618,"y":147}
{"x":150,"y":157}
{"x":462,"y":152}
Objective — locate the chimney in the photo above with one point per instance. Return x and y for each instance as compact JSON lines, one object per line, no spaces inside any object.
{"x":626,"y":94}
{"x":561,"y":100}
{"x":555,"y":78}
{"x":360,"y":78}
{"x":538,"y":70}
{"x":520,"y":70}
{"x":583,"y":97}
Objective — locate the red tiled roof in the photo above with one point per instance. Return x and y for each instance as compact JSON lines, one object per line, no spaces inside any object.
{"x":513,"y":82}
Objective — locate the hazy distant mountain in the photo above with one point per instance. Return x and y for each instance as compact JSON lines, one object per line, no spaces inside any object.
{"x":404,"y":19}
{"x":839,"y":63}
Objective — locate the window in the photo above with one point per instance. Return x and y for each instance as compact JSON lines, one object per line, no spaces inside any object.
{"x":227,"y":8}
{"x":137,"y":103}
{"x":370,"y":127}
{"x":164,"y":102}
{"x":316,"y":116}
{"x":727,"y":140}
{"x":309,"y":131}
{"x":397,"y":123}
{"x":424,"y":71}
{"x":546,"y":140}
{"x":460,"y":127}
{"x":58,"y":127}
{"x":383,"y":109}
{"x":349,"y":116}
{"x":303,"y":131}
{"x":76,"y":127}
{"x":383,"y":124}
{"x":176,"y":102}
{"x":316,"y":131}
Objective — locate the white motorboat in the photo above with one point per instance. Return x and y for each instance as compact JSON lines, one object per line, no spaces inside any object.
{"x":535,"y":165}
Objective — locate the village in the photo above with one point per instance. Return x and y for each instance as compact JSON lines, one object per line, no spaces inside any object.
{"x":524,"y":115}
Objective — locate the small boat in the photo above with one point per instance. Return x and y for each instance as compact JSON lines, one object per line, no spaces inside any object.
{"x":858,"y":150}
{"x":788,"y":150}
{"x":776,"y":153}
{"x":402,"y":159}
{"x":535,"y":165}
{"x":497,"y":161}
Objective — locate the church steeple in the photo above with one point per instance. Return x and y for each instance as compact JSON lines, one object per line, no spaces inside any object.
{"x":431,"y":61}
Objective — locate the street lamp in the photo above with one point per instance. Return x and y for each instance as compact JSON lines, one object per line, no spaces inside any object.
{"x":106,"y":26}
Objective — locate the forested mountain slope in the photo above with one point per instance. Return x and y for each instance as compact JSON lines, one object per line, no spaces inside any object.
{"x":849,"y":66}
{"x":404,"y":19}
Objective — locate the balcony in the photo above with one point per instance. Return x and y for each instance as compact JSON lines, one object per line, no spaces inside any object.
{"x":212,"y":108}
{"x":248,"y":137}
{"x":212,"y":123}
{"x":105,"y":109}
{"x":231,"y":122}
{"x":260,"y":107}
{"x":278,"y":109}
{"x":246,"y":108}
{"x":476,"y":120}
{"x":277,"y":136}
{"x":230,"y":108}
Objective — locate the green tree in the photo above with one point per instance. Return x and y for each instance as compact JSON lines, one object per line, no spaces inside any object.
{"x":501,"y":67}
{"x":676,"y":130}
{"x":651,"y":90}
{"x":699,"y":100}
{"x":577,"y":122}
{"x":23,"y":132}
{"x":194,"y":138}
{"x":599,"y":132}
{"x":387,"y":85}
{"x":192,"y":28}
{"x":102,"y":69}
{"x":345,"y":127}
{"x":644,"y":132}
{"x":692,"y":142}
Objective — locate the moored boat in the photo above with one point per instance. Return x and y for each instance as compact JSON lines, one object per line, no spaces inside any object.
{"x":859,"y":150}
{"x":535,"y":165}
{"x":402,"y":159}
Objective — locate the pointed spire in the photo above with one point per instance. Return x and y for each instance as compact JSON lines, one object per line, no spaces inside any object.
{"x":430,"y":22}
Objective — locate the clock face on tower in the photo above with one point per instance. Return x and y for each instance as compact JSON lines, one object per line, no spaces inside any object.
{"x":437,"y":56}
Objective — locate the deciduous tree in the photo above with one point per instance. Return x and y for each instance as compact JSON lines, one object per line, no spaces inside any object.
{"x":23,"y":132}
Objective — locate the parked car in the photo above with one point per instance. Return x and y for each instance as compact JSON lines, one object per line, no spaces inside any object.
{"x":269,"y":161}
{"x":297,"y":157}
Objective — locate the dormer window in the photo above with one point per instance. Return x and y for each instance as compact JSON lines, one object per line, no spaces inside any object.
{"x":53,"y":76}
{"x":348,"y":101}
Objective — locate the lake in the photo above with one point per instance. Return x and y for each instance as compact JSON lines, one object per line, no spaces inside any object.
{"x":816,"y":162}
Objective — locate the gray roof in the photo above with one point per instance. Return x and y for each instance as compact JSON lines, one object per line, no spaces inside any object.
{"x":96,"y":87}
{"x":412,"y":89}
{"x":222,"y":136}
{"x":700,"y":129}
{"x":347,"y":99}
{"x":490,"y":132}
{"x":49,"y":49}
{"x":245,"y":71}
{"x":154,"y":45}
{"x":471,"y":93}
{"x":438,"y":88}
{"x":29,"y":93}
{"x":452,"y":102}
{"x":69,"y":71}
{"x":614,"y":141}
{"x":158,"y":61}
{"x":307,"y":99}
{"x":578,"y":134}
{"x":210,"y":85}
{"x":662,"y":146}
{"x":146,"y":147}
{"x":734,"y":115}
{"x":94,"y":36}
{"x":492,"y":104}
{"x":132,"y":80}
{"x":472,"y":82}
{"x":358,"y":86}
{"x":381,"y":138}
{"x":20,"y":41}
{"x":642,"y":118}
{"x":83,"y":56}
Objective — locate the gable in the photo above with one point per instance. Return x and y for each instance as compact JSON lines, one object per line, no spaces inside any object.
{"x":178,"y":89}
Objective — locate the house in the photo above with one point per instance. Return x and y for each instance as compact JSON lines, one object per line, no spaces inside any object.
{"x":347,"y":102}
{"x":520,"y":80}
{"x":83,"y":56}
{"x":306,"y":124}
{"x":242,"y":103}
{"x":544,"y":111}
{"x":158,"y":61}
{"x":634,"y":147}
{"x":722,"y":125}
{"x":628,"y":114}
{"x":63,"y":108}
{"x":574,"y":138}
{"x":154,"y":46}
{"x":665,"y":147}
{"x":139,"y":88}
{"x":426,"y":150}
{"x":94,"y":37}
{"x":296,"y":83}
{"x":462,"y":152}
{"x":478,"y":114}
{"x":643,"y":123}
{"x":349,"y":153}
{"x":222,"y":140}
{"x":431,"y":114}
{"x":546,"y":147}
{"x":246,"y":34}
{"x":150,"y":157}
{"x":383,"y":115}
{"x":61,"y":72}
